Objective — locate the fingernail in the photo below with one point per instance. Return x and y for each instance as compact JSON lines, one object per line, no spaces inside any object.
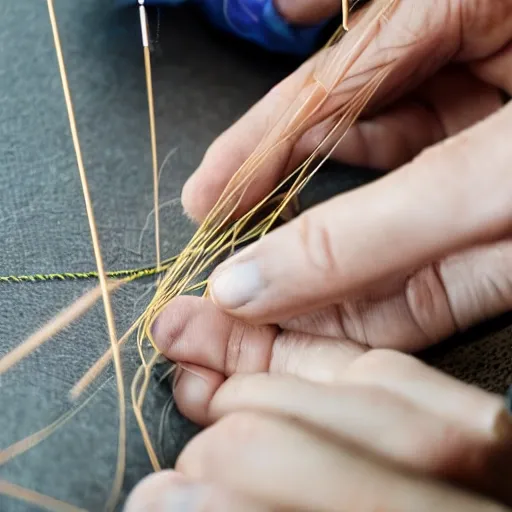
{"x":185,"y":498}
{"x":237,"y":285}
{"x":176,"y":378}
{"x":189,"y":376}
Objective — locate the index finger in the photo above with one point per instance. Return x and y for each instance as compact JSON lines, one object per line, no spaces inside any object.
{"x":454,"y":196}
{"x":418,"y":38}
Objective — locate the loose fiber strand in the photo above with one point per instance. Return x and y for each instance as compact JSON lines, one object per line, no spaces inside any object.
{"x":59,"y":322}
{"x":36,"y":438}
{"x":28,"y":496}
{"x":118,"y":480}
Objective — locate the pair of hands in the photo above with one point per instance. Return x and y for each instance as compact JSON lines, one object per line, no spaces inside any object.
{"x":296,"y":365}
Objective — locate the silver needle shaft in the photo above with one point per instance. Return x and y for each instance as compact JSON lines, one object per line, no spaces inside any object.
{"x":152,"y":127}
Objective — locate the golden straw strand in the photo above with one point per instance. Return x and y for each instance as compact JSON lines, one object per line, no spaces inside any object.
{"x":32,"y":440}
{"x":152,"y":126}
{"x":65,"y":317}
{"x":345,"y":7}
{"x":28,"y":496}
{"x":99,"y":261}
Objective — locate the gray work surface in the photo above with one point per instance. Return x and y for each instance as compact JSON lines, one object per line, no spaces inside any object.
{"x":202,"y":84}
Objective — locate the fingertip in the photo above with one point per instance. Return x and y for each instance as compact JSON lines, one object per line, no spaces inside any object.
{"x":169,"y":325}
{"x":191,"y":200}
{"x":304,"y":12}
{"x":182,"y":325}
{"x":168,"y":491}
{"x":206,"y":184}
{"x":148,"y":491}
{"x":193,"y":389}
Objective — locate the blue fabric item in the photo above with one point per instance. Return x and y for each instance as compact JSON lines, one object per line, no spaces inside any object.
{"x":257,"y":21}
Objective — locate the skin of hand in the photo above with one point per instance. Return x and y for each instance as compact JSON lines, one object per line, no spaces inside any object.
{"x":390,"y":238}
{"x":401,"y":263}
{"x":398,"y":264}
{"x":388,"y":433}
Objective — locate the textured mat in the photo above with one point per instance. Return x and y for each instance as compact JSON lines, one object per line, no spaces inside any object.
{"x":202,"y":84}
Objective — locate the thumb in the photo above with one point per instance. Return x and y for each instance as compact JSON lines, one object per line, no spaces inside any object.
{"x":455,"y":195}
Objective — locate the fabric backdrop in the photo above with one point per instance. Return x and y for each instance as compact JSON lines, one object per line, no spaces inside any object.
{"x":202,"y":84}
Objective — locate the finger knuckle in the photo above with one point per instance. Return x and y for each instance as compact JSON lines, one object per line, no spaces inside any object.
{"x":317,"y":244}
{"x":168,"y":328}
{"x":428,"y":304}
{"x":240,"y":428}
{"x":216,"y":499}
{"x":386,"y":364}
{"x":387,"y":360}
{"x":213,"y":451}
{"x":234,"y":347}
{"x":494,"y":273}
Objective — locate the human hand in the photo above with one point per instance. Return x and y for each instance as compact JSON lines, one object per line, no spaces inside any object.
{"x":382,"y":288}
{"x":381,"y":279}
{"x":384,"y":246}
{"x":387,"y":433}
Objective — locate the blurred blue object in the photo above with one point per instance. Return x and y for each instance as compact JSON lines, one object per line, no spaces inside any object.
{"x":257,"y":21}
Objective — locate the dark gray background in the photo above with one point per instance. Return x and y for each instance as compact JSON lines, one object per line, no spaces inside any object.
{"x":202,"y":84}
